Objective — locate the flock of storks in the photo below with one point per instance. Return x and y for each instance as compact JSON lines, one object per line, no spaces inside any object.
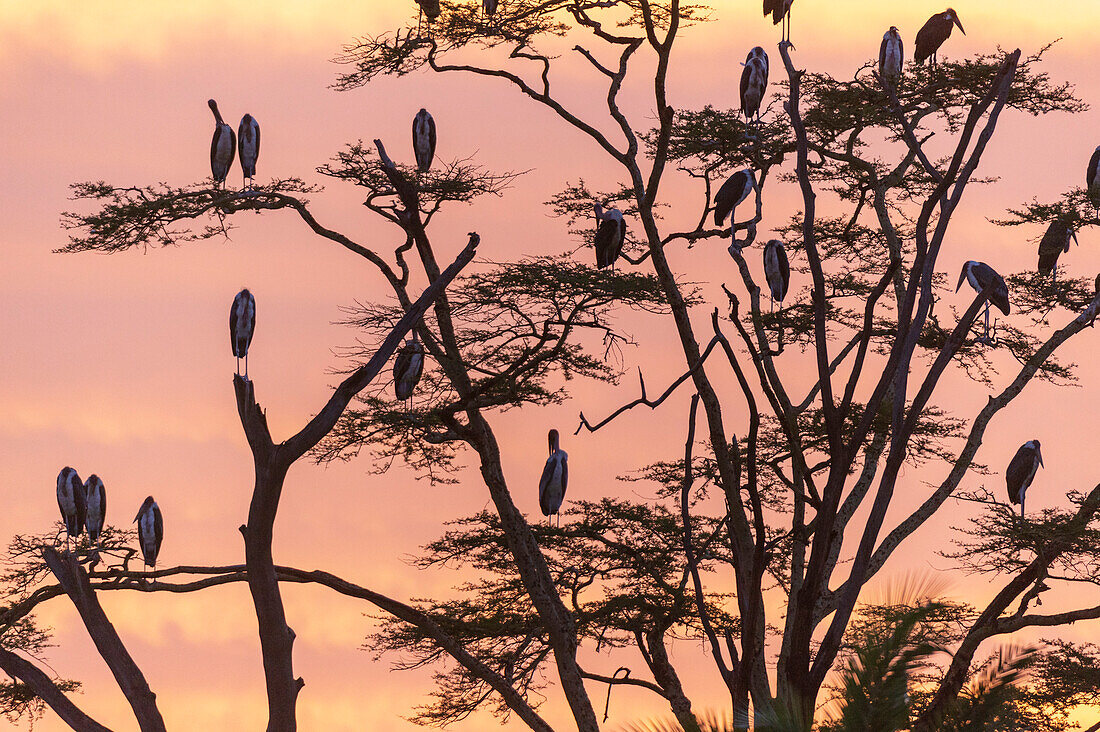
{"x":84,"y":508}
{"x":84,"y":505}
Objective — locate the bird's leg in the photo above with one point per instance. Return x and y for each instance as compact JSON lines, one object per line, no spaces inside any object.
{"x":246,"y":367}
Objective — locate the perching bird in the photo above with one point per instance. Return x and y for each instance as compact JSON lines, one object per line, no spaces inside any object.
{"x":891,"y":56}
{"x":70,"y":499}
{"x":1021,"y":471}
{"x":429,"y":8}
{"x":150,"y":531}
{"x":733,"y":192}
{"x":248,"y":145}
{"x":610,"y":235}
{"x":754,"y":82}
{"x":408,"y":367}
{"x":489,"y":6}
{"x":1055,"y":241}
{"x":780,"y":10}
{"x":932,"y":35}
{"x":95,"y":500}
{"x":979,"y":275}
{"x":555,"y":478}
{"x":1092,"y":178}
{"x":423,"y":140}
{"x":777,"y":270}
{"x":222,"y":146}
{"x":242,"y":323}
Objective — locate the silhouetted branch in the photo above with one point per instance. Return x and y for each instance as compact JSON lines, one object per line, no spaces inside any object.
{"x":643,"y":399}
{"x":73,"y":579}
{"x":42,"y":685}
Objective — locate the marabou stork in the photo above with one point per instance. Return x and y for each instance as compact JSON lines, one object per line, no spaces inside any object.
{"x":248,"y":145}
{"x":932,"y":35}
{"x":95,"y":500}
{"x":150,"y":531}
{"x":754,"y":82}
{"x":1021,"y":471}
{"x":489,"y":6}
{"x":423,"y":140}
{"x":408,"y":367}
{"x":610,"y":235}
{"x":891,"y":56}
{"x":429,"y":8}
{"x":555,"y":479}
{"x":222,"y":146}
{"x":70,"y":499}
{"x":242,"y":323}
{"x":1055,"y":241}
{"x":1092,"y":178}
{"x":733,"y":192}
{"x":780,"y":10}
{"x":777,"y":270}
{"x":980,"y":275}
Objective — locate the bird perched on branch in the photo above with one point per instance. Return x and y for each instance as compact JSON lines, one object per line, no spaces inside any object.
{"x":891,"y":56}
{"x":1054,"y":242}
{"x":423,"y":140}
{"x":70,"y":499}
{"x":242,"y":324}
{"x":407,"y":368}
{"x":1021,"y":471}
{"x":150,"y":531}
{"x":1092,"y":178}
{"x":95,"y":500}
{"x":428,"y":8}
{"x":754,"y":82}
{"x":780,"y":10}
{"x":248,"y":145}
{"x":980,"y":275}
{"x":777,"y":270}
{"x":222,"y":146}
{"x":732,"y":193}
{"x":555,"y":478}
{"x":932,"y":35}
{"x":610,"y":235}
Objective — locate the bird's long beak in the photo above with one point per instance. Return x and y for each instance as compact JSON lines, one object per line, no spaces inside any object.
{"x":1039,"y":453}
{"x":1074,"y":235}
{"x":960,"y":25}
{"x":962,"y":276}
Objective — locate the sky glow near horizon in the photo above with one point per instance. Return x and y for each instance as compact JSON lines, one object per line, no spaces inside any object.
{"x":120,"y":365}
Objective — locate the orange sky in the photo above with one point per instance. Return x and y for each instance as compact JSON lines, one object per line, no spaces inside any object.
{"x":120,"y":366}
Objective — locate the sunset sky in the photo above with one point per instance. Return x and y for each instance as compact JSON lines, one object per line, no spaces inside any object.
{"x":120,"y":365}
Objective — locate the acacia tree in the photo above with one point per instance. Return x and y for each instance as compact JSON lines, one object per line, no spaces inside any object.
{"x":621,"y":573}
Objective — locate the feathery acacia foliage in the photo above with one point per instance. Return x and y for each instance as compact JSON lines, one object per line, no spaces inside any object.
{"x":792,"y":510}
